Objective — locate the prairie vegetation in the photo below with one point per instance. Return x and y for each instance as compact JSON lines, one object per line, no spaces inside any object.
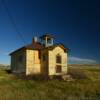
{"x":85,"y":86}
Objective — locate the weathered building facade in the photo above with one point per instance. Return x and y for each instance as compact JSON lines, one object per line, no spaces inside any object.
{"x":40,"y":57}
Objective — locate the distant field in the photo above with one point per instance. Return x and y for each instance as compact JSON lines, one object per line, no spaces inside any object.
{"x":85,"y":86}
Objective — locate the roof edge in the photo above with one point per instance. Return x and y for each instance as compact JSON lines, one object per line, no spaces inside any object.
{"x":16,"y":50}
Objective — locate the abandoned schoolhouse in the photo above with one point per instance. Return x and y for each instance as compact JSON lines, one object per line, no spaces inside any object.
{"x":42,"y":56}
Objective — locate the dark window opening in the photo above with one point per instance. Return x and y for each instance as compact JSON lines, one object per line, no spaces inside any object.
{"x":20,"y":59}
{"x":58,"y":59}
{"x":58,"y":68}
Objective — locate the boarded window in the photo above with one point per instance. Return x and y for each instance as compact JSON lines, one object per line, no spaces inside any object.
{"x":58,"y":59}
{"x":58,"y":68}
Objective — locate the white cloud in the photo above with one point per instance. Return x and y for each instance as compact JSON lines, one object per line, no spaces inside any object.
{"x":81,"y":60}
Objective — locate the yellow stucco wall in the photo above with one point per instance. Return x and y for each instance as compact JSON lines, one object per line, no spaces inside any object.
{"x":17,"y":65}
{"x":32,"y":62}
{"x":33,"y":65}
{"x":52,"y":60}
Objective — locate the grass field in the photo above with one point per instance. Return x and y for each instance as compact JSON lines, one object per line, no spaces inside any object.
{"x":85,"y":86}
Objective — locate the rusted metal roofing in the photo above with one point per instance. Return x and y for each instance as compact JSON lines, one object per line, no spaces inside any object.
{"x":35,"y":45}
{"x":32,"y":46}
{"x":39,"y":46}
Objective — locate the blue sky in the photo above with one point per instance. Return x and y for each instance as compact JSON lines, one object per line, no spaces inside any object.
{"x":75,"y":23}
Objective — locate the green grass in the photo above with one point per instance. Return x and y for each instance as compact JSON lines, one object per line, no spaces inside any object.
{"x":86,"y":86}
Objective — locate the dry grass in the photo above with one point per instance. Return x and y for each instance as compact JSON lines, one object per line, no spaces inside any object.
{"x":86,"y":86}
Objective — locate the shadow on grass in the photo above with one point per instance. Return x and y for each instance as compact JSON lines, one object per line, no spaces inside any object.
{"x":73,"y":73}
{"x":8,"y":71}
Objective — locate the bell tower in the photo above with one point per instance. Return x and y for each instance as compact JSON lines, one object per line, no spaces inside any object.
{"x":47,"y":40}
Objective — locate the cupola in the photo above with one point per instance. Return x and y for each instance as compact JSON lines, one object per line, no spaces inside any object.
{"x":47,"y":40}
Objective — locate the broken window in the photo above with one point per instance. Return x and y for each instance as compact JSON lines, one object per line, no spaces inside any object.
{"x":58,"y":59}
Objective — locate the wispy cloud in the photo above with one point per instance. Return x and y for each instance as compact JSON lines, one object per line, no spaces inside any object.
{"x":81,"y":60}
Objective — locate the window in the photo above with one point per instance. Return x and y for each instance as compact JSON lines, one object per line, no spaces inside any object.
{"x":58,"y":68}
{"x":20,"y":59}
{"x":58,"y":59}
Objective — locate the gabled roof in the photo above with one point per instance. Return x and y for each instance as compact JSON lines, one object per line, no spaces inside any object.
{"x":39,"y":46}
{"x":32,"y":46}
{"x":60,"y":45}
{"x":35,"y":45}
